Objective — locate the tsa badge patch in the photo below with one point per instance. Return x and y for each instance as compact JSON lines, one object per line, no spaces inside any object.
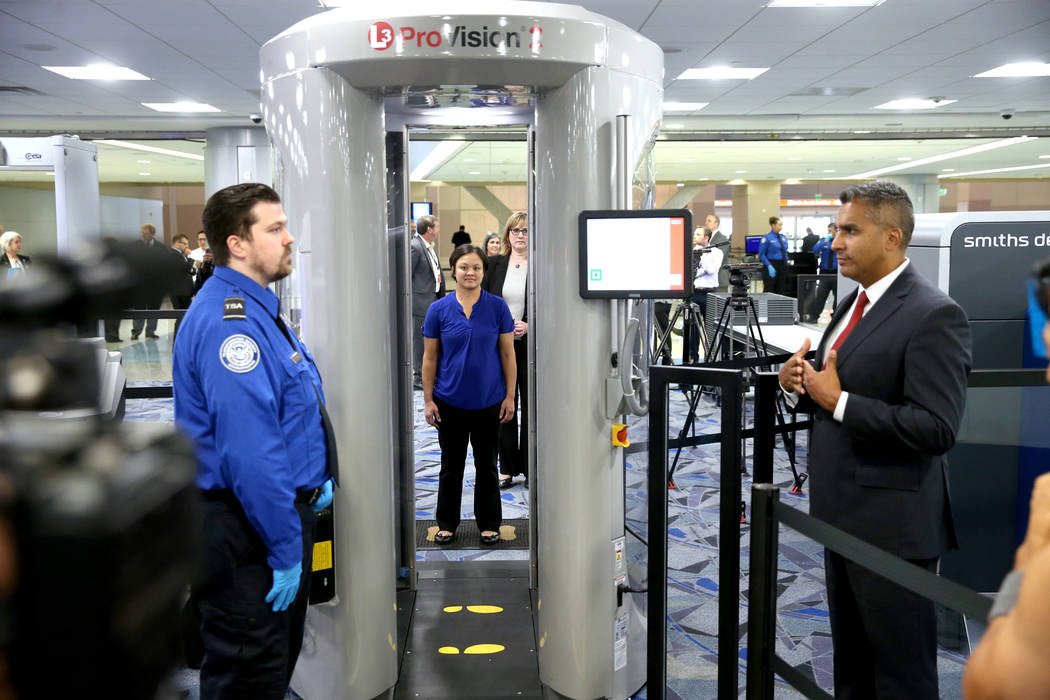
{"x":239,"y":354}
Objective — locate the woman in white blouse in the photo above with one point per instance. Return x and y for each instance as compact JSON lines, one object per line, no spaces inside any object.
{"x":507,"y":278}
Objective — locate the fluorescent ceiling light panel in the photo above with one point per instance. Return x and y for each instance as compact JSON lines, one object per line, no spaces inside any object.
{"x":97,"y":71}
{"x":436,"y":158}
{"x":1028,"y":69}
{"x":998,"y":170}
{"x":945,"y":156}
{"x":684,"y":106}
{"x":722,"y":73}
{"x":914,"y":103}
{"x":150,"y":149}
{"x":824,"y":3}
{"x":182,"y":107}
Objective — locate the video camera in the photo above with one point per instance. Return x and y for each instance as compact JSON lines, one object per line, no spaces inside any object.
{"x":740,"y":277}
{"x":98,"y":524}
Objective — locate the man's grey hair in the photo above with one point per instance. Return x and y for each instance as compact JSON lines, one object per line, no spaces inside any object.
{"x":888,"y":205}
{"x":7,"y":239}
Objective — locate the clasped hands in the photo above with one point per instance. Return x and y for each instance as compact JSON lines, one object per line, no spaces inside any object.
{"x":823,"y":387}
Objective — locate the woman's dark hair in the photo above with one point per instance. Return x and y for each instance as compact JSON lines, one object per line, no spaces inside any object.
{"x":467,"y":249}
{"x":492,"y":236}
{"x":229,"y":213}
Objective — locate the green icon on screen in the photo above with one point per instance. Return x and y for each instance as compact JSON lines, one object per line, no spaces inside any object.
{"x":596,"y":275}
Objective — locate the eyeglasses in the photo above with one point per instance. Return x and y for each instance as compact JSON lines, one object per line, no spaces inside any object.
{"x":518,"y":231}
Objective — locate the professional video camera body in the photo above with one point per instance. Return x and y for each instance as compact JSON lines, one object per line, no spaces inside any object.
{"x":99,"y":524}
{"x":740,"y":277}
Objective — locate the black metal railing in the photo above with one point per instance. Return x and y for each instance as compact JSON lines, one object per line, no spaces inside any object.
{"x":767,"y":512}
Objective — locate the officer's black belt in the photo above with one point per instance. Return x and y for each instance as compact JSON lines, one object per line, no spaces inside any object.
{"x":227,"y":496}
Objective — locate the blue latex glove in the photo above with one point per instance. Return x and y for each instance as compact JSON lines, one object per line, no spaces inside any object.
{"x":285,"y":586}
{"x":772,"y":270}
{"x":325,"y":499}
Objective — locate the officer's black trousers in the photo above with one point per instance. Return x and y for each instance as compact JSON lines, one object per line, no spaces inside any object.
{"x":480,"y":427}
{"x":249,"y":650}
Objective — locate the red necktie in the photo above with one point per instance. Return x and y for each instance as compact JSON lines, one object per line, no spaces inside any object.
{"x":858,"y":311}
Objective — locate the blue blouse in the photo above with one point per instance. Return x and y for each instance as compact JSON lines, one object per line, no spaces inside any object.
{"x":469,"y":372}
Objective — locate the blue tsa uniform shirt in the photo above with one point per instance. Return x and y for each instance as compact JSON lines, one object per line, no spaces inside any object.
{"x":247,"y":391}
{"x":772,"y":248}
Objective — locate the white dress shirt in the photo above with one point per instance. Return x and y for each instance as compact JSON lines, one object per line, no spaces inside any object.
{"x":874,"y":293}
{"x":707,"y":269}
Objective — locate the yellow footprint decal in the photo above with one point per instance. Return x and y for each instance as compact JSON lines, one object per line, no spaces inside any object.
{"x":474,"y":649}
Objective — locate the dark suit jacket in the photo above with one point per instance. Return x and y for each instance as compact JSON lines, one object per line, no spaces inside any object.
{"x":4,"y":262}
{"x":422,"y":279}
{"x":881,"y":473}
{"x":182,"y":284}
{"x":809,"y":241}
{"x":497,"y":275}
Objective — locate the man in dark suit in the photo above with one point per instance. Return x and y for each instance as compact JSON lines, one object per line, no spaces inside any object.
{"x":887,"y":399}
{"x":428,"y":285}
{"x":181,"y":291}
{"x":151,"y":298}
{"x":712,"y":223}
{"x":460,"y":237}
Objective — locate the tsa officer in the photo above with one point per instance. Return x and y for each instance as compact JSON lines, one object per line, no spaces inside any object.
{"x":773,"y":252}
{"x":247,"y":390}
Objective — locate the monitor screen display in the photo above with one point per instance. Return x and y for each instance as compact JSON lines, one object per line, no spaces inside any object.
{"x":421,"y":209}
{"x":752,"y":244}
{"x":644,"y":254}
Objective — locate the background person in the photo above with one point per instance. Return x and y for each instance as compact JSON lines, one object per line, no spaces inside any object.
{"x":428,"y":285}
{"x":493,"y":244}
{"x":468,"y":390}
{"x":712,"y":224}
{"x":507,"y":277}
{"x":265,"y":458}
{"x":773,"y":252}
{"x":887,"y":404}
{"x":11,"y":258}
{"x":151,"y":298}
{"x":708,"y":263}
{"x":460,"y":237}
{"x":826,"y":265}
{"x":181,"y":292}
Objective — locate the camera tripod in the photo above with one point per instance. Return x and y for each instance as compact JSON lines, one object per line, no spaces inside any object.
{"x":724,"y":344}
{"x":692,"y":322}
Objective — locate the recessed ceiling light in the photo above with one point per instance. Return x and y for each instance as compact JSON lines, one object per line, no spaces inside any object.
{"x":690,"y":160}
{"x":1027,"y":69}
{"x":474,"y":172}
{"x":903,"y":158}
{"x":824,"y":3}
{"x":944,"y":156}
{"x":862,"y":131}
{"x":183,"y":107}
{"x":948,"y":170}
{"x":795,"y":158}
{"x":722,"y":73}
{"x":740,"y":172}
{"x":96,"y":71}
{"x":151,"y":149}
{"x":829,"y":171}
{"x":674,"y":126}
{"x":914,"y":103}
{"x":999,"y":170}
{"x":705,"y":178}
{"x":1045,"y":156}
{"x":143,"y":173}
{"x":142,"y":161}
{"x":679,"y":184}
{"x":684,"y":106}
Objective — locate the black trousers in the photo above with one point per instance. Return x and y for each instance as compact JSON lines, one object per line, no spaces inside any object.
{"x":514,"y":447}
{"x":693,"y":337}
{"x":884,"y":636}
{"x":178,"y":302}
{"x":249,"y":650}
{"x":661,"y":317}
{"x":778,"y":284}
{"x":151,"y":324}
{"x":481,"y":428}
{"x":823,"y":289}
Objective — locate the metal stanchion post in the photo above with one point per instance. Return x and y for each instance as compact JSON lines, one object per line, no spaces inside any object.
{"x":762,"y":592}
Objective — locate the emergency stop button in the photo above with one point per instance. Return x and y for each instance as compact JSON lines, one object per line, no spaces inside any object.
{"x":619,"y":435}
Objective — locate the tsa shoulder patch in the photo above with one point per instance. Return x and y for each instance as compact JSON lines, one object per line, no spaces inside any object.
{"x":233,"y":308}
{"x":239,"y":353}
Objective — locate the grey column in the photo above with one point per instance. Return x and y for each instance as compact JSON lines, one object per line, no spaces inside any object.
{"x":924,"y":191}
{"x":579,"y":473}
{"x":236,"y":154}
{"x":332,"y":179}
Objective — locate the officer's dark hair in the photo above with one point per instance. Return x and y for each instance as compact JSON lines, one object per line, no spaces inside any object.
{"x":773,"y":220}
{"x":888,"y":205}
{"x":1041,"y":272}
{"x":425,"y":223}
{"x":229,"y":213}
{"x":467,"y":249}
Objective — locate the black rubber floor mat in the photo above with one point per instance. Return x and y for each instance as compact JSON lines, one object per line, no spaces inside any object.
{"x":514,"y":534}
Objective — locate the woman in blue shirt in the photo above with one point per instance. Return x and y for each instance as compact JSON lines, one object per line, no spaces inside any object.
{"x":469,"y":374}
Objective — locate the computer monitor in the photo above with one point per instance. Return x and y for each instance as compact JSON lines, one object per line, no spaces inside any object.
{"x":752,"y":244}
{"x":645,"y":254}
{"x":421,"y":209}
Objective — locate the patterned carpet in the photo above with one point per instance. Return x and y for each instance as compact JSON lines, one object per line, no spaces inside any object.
{"x":802,"y":632}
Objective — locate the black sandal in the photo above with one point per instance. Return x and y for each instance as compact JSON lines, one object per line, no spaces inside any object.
{"x":490,"y":539}
{"x":444,"y":539}
{"x":505,"y":484}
